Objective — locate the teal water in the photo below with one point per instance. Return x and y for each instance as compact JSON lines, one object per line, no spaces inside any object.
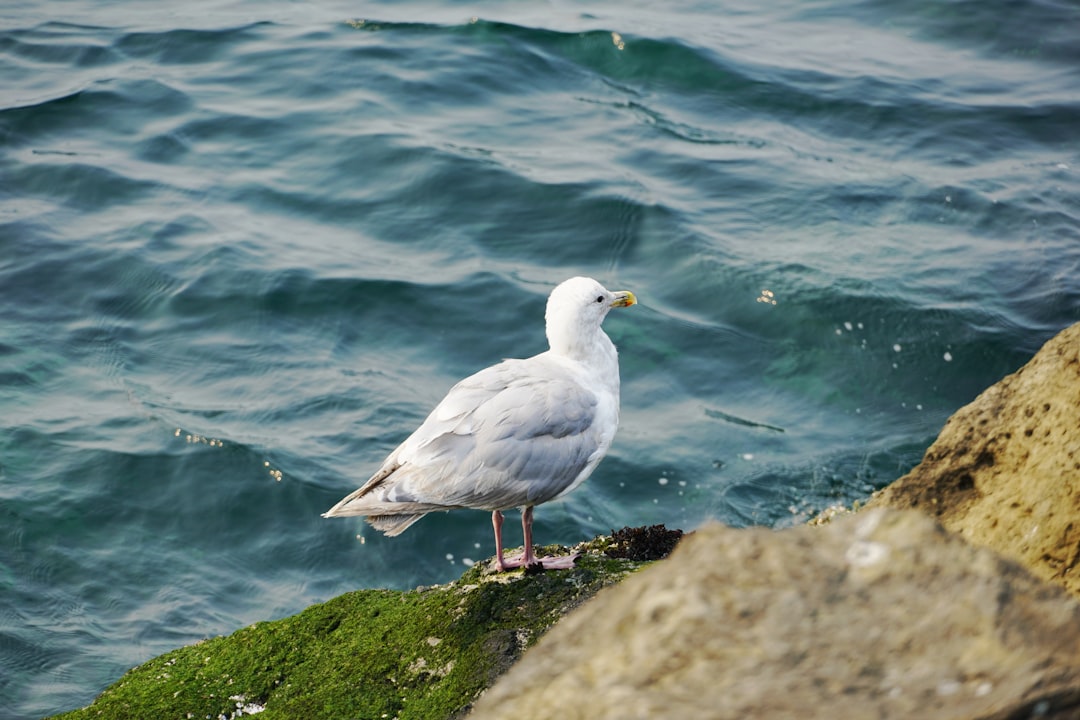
{"x":245,"y":247}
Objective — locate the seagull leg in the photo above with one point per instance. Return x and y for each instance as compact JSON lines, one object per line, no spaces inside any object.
{"x":504,"y":563}
{"x":526,"y":532}
{"x":527,"y":558}
{"x":497,"y":523}
{"x":561,"y":562}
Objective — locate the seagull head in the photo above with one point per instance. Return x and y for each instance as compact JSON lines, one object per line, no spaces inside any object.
{"x":575,"y":311}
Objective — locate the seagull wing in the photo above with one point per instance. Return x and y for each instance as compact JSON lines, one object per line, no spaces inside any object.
{"x":517,"y":433}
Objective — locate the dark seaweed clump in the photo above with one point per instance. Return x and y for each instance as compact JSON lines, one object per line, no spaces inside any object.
{"x":643,"y":543}
{"x":536,"y":568}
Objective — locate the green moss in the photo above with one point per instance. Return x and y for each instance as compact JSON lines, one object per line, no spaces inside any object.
{"x":424,"y":653}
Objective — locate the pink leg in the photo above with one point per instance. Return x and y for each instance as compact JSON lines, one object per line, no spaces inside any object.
{"x":497,"y":523}
{"x":527,"y":558}
{"x":526,"y":532}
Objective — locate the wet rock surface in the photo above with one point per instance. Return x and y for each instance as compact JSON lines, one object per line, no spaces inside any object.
{"x":423,"y":653}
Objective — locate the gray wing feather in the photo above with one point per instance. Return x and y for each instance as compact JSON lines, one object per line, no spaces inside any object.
{"x":507,"y":436}
{"x":517,"y":433}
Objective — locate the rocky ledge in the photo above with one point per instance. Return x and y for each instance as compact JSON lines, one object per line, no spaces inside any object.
{"x":423,"y":653}
{"x":947,"y":596}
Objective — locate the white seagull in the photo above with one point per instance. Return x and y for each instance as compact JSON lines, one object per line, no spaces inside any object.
{"x":516,"y":434}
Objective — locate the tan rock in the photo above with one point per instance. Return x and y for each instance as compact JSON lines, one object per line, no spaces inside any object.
{"x":878,"y":615}
{"x":1005,"y":470}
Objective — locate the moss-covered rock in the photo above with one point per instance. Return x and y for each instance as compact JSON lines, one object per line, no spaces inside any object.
{"x":424,"y":653}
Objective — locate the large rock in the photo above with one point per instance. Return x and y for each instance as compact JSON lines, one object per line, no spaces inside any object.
{"x":881,"y":614}
{"x":1005,"y":470}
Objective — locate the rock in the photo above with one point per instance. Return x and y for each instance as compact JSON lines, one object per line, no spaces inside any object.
{"x":424,"y":653}
{"x":882,"y":614}
{"x":879,"y":614}
{"x":1005,"y":470}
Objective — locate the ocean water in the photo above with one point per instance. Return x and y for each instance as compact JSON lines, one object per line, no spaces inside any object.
{"x":246,"y":246}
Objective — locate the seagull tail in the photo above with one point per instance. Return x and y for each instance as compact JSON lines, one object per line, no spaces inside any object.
{"x":390,"y":518}
{"x":392,"y":525}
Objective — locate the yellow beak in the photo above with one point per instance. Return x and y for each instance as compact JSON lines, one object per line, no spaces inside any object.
{"x":624,"y":298}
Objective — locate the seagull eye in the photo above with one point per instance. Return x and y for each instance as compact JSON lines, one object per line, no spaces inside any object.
{"x":599,"y":298}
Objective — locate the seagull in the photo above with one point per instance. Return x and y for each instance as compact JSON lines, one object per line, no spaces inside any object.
{"x":516,"y":434}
